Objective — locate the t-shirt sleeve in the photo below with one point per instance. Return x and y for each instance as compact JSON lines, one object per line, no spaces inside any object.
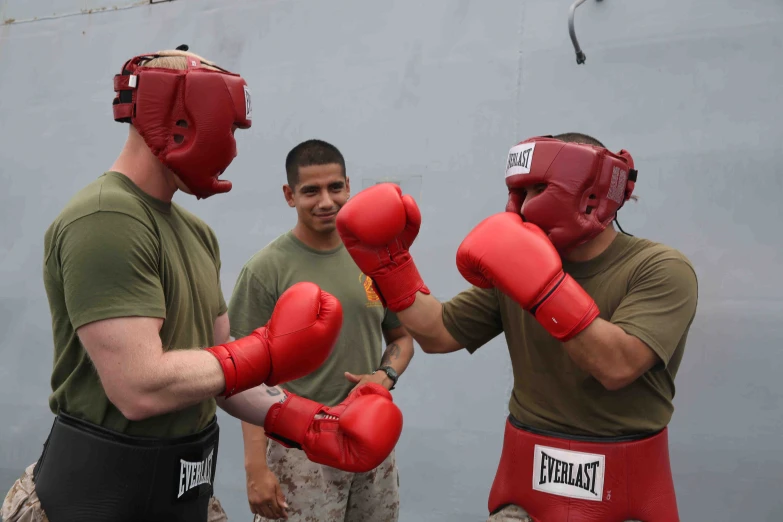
{"x":109,"y":265}
{"x":473,"y":318}
{"x":251,"y":305}
{"x":660,"y":305}
{"x":390,"y":320}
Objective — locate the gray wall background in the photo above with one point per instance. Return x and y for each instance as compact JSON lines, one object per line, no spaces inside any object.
{"x":432,"y":94}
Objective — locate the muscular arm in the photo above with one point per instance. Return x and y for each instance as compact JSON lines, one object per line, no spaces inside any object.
{"x":644,"y":330}
{"x":139,"y":378}
{"x":424,"y":321}
{"x":143,"y":381}
{"x":612,"y":356}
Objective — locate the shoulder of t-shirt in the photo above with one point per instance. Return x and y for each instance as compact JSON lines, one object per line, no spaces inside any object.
{"x":271,"y":257}
{"x":101,"y":196}
{"x":651,"y":255}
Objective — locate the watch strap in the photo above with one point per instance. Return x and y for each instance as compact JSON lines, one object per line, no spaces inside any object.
{"x":390,"y":373}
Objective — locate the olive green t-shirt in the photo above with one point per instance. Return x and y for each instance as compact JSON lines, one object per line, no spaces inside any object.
{"x":646,"y":288}
{"x":114,"y":251}
{"x":287,"y":261}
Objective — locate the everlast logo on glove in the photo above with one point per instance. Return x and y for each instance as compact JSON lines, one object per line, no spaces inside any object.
{"x":195,"y":474}
{"x":568,"y":473}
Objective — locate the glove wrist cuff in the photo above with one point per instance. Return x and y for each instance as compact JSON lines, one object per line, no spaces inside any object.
{"x":246,"y":363}
{"x":287,"y":422}
{"x":566,"y":309}
{"x":398,"y":288}
{"x":224,"y":357}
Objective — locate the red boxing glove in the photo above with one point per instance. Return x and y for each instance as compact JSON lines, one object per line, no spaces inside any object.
{"x":378,"y":226}
{"x":355,"y":436}
{"x":518,"y":259}
{"x":296,"y":341}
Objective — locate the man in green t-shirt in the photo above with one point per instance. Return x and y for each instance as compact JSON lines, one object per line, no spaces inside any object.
{"x":280,"y":482}
{"x":142,"y":350}
{"x":595,"y":322}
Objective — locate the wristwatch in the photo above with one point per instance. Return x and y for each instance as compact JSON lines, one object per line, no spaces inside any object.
{"x":388,"y":370}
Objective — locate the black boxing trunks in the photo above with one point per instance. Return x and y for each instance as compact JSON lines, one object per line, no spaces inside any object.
{"x":89,"y":474}
{"x":582,"y":479}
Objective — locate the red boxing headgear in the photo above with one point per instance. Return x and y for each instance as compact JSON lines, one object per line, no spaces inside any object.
{"x":585,"y":187}
{"x":186,"y":117}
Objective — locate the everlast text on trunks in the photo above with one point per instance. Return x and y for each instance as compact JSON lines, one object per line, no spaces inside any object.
{"x":83,"y":466}
{"x":581,"y":479}
{"x":576,"y":474}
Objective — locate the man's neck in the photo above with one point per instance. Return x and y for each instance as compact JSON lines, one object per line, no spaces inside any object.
{"x":140,"y":166}
{"x":592,"y":248}
{"x":316,"y":241}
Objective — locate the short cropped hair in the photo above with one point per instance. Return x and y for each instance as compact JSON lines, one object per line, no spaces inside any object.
{"x":578,"y":137}
{"x":177,"y":59}
{"x":308,"y":153}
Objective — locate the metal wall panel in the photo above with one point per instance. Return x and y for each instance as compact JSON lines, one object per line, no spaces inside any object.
{"x":431,"y":95}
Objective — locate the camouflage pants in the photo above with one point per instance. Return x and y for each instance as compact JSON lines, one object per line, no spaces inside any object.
{"x":21,"y":503}
{"x":316,"y":492}
{"x":516,"y":514}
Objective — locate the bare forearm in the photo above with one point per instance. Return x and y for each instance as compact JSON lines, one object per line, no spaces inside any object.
{"x":610,"y":355}
{"x":398,"y":354}
{"x":424,"y":321}
{"x":254,"y":439}
{"x":178,"y":379}
{"x":251,"y":406}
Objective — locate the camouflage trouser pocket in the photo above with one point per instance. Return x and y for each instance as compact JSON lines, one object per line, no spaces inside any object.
{"x":316,"y":492}
{"x":21,"y":504}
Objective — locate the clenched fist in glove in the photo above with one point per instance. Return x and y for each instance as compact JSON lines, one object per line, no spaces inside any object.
{"x":378,"y":226}
{"x":298,"y":338}
{"x":355,"y":436}
{"x":518,"y":259}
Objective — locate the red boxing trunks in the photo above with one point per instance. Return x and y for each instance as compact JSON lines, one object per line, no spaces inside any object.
{"x":566,"y":480}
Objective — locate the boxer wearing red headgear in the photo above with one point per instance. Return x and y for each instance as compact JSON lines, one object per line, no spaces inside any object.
{"x":187,"y":117}
{"x":143,"y":354}
{"x":595,"y":322}
{"x":585,"y":187}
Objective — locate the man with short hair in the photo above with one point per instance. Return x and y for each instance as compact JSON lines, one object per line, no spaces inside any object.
{"x":142,"y":353}
{"x":281,"y":483}
{"x":595,"y":321}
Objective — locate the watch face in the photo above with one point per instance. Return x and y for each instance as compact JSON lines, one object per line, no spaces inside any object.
{"x":390,"y":372}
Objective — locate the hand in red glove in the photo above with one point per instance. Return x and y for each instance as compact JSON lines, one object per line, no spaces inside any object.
{"x":356,"y":435}
{"x":378,"y":226}
{"x":517,"y":258}
{"x":296,"y":341}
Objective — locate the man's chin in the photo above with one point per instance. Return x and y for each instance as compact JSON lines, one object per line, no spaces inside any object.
{"x":326,"y":228}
